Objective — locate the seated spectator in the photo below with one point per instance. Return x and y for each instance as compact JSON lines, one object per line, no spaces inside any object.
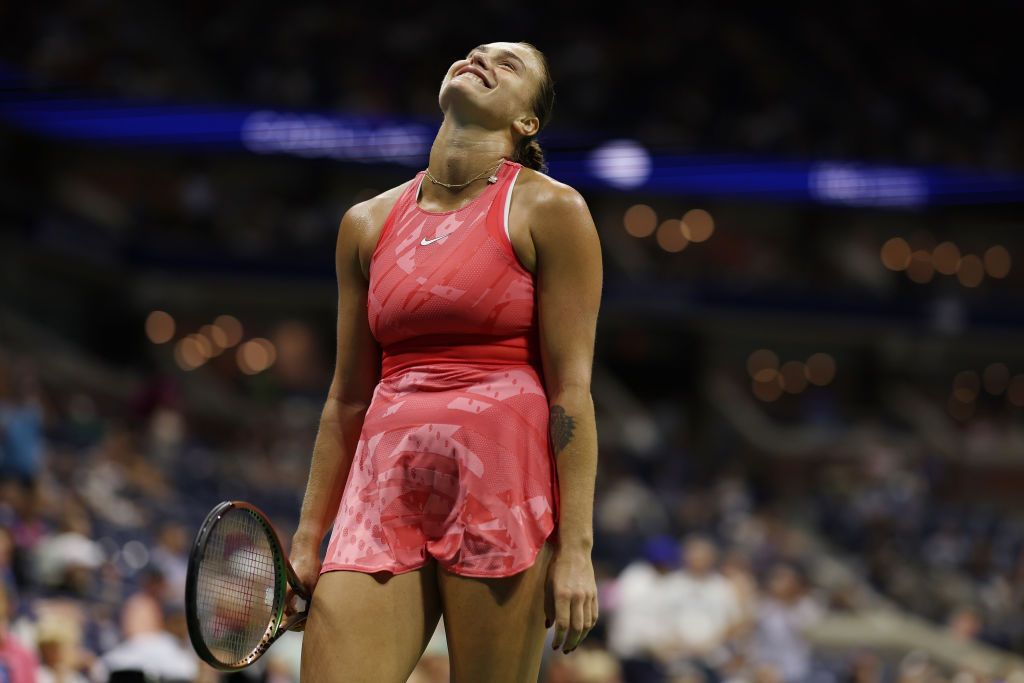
{"x":586,"y":665}
{"x":783,"y":616}
{"x":17,"y":663}
{"x":639,"y":615}
{"x":58,"y":641}
{"x":704,"y":614}
{"x":21,"y":427}
{"x":148,"y":647}
{"x":170,"y":558}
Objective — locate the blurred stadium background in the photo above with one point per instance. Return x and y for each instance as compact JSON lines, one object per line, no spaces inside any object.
{"x":809,"y":371}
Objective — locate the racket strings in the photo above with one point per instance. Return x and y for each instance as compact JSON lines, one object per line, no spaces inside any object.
{"x":236,"y":586}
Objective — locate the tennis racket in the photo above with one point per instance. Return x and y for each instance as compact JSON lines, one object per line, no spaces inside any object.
{"x":235,"y":590}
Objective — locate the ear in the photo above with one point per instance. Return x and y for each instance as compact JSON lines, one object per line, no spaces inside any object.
{"x":527,"y":126}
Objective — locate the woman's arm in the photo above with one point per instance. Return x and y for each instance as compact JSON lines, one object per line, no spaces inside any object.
{"x":569,"y":276}
{"x":569,"y":279}
{"x":355,"y":376}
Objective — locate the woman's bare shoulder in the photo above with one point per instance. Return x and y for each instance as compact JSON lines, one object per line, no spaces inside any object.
{"x":367,"y":218}
{"x":543,"y":197}
{"x":542,"y":191}
{"x":370,"y":213}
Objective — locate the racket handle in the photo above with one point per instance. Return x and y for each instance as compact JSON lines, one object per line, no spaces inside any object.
{"x":293,"y":621}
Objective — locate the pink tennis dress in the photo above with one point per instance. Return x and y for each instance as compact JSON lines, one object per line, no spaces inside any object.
{"x":454,"y":458}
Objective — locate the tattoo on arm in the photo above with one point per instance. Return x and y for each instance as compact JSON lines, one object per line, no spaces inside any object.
{"x":561,"y":426}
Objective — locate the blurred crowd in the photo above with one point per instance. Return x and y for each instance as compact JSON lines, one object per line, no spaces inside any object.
{"x":278,"y":218}
{"x":99,"y":502}
{"x":711,"y":79}
{"x":703,"y":578}
{"x":97,"y":519}
{"x":900,"y":82}
{"x":955,"y":559}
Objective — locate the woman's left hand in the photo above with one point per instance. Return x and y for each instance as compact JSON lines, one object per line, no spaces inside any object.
{"x":570,"y":598}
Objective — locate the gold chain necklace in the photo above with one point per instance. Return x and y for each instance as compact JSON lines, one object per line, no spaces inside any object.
{"x":492,"y":179}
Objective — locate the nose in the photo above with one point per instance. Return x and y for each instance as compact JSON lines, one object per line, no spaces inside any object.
{"x":478,"y":59}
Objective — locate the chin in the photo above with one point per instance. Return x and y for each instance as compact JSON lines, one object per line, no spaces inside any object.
{"x":462,"y":86}
{"x":457,"y":95}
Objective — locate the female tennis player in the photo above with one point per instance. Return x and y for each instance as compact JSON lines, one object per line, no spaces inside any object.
{"x":457,"y":449}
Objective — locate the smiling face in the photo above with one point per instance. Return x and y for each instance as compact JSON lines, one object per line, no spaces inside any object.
{"x":494,"y":86}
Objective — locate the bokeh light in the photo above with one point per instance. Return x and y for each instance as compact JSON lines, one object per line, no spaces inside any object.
{"x":640,"y":220}
{"x":769,"y":389}
{"x":698,"y":226}
{"x":256,"y":355}
{"x":997,"y":261}
{"x":971,"y":271}
{"x":966,"y":385}
{"x":625,"y":164}
{"x":896,"y":254}
{"x":670,"y":235}
{"x":217,"y":338}
{"x":232,"y":328}
{"x":202,"y":344}
{"x":946,"y":258}
{"x":188,"y":353}
{"x":820,"y":369}
{"x":159,"y":327}
{"x":135,"y":554}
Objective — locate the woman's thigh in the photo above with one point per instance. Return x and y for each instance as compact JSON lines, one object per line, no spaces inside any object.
{"x":495,"y":627}
{"x":369,"y":628}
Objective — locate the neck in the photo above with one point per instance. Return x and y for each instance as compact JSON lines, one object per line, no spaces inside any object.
{"x":463,"y":152}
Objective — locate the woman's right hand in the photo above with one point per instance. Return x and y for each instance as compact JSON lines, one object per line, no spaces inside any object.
{"x":306,"y":563}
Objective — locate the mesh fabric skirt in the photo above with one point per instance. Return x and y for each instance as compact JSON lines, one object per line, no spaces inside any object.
{"x":452,"y":462}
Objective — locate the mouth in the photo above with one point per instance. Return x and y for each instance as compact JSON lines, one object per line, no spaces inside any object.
{"x":472,"y":70}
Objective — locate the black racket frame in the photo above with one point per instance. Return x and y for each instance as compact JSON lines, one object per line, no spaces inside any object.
{"x":284,"y":575}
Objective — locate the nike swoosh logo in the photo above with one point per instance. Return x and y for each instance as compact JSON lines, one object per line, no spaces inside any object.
{"x":425,"y":241}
